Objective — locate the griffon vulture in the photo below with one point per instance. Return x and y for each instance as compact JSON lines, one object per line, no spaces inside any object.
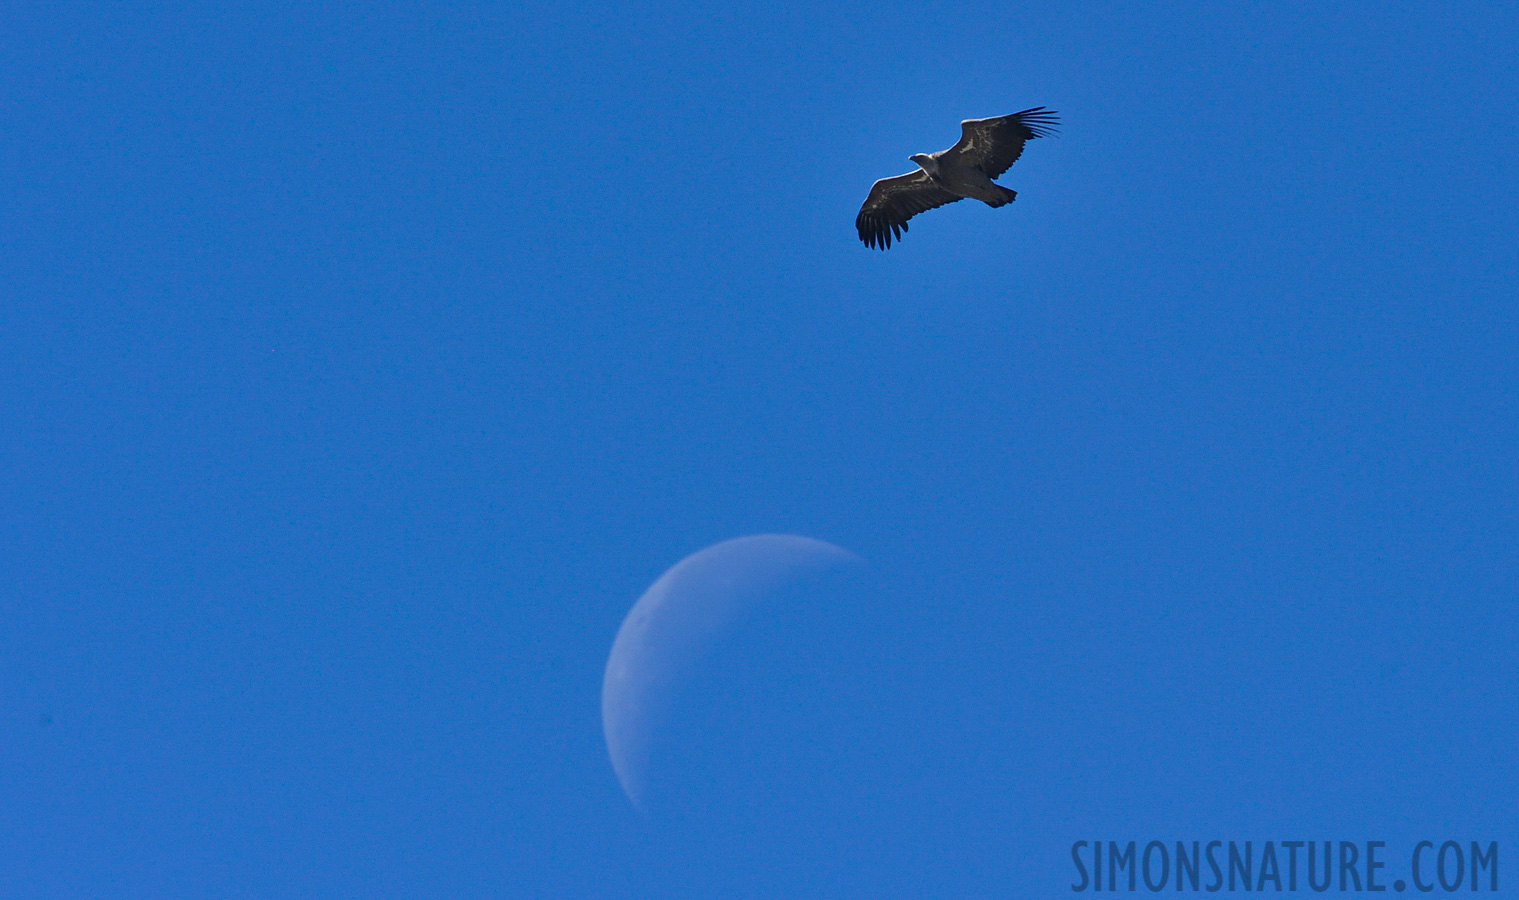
{"x":986,"y":149}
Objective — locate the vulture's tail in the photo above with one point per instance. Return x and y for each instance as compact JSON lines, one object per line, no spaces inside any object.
{"x":1008,"y":196}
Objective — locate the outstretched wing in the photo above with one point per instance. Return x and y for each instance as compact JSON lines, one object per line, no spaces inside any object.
{"x":993,"y":145}
{"x":892,"y":202}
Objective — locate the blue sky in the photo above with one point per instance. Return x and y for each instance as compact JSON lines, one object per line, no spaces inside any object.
{"x":361,"y":365}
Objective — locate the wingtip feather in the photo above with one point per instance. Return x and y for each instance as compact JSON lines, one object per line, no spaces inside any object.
{"x":1040,"y":120}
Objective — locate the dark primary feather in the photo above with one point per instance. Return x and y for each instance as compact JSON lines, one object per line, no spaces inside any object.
{"x":993,"y":145}
{"x":892,"y":202}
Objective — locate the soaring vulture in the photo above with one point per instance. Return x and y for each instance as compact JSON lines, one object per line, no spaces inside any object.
{"x":986,"y":149}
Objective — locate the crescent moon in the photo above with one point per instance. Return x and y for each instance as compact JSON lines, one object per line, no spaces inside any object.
{"x":676,"y":621}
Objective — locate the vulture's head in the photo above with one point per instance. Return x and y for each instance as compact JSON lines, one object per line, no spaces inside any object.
{"x":926,"y":163}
